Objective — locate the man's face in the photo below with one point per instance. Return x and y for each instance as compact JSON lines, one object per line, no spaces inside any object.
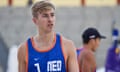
{"x":95,"y":44}
{"x":45,"y":20}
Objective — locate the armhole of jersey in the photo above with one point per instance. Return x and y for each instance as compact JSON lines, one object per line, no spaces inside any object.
{"x":78,"y":52}
{"x":26,"y":57}
{"x":65,"y":56}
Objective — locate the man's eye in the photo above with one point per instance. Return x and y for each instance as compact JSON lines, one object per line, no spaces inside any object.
{"x":52,"y":15}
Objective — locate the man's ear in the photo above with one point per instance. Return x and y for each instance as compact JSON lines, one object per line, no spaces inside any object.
{"x":92,"y":41}
{"x":34,"y":20}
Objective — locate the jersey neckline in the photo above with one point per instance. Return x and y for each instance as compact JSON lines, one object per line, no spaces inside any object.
{"x":48,"y":49}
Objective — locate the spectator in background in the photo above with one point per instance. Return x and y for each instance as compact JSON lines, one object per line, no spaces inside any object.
{"x":113,"y":54}
{"x":86,"y":59}
{"x":30,"y":2}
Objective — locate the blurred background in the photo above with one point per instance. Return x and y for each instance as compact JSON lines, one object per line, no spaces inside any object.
{"x":73,"y":17}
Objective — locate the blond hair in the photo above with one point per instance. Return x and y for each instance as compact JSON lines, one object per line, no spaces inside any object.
{"x":41,"y":6}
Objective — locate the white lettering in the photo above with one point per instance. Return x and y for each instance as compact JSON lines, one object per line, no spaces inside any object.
{"x":38,"y":66}
{"x":59,"y":65}
{"x":54,"y":65}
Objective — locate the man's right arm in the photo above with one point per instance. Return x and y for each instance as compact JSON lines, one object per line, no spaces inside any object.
{"x":21,"y":58}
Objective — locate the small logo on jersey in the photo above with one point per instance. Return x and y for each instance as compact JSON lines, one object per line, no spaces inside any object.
{"x":36,"y":59}
{"x":54,"y":65}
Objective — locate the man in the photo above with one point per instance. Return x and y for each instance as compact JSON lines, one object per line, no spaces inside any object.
{"x":86,"y":59}
{"x":46,"y":51}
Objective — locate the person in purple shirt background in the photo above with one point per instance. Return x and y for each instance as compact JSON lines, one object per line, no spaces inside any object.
{"x":113,"y":54}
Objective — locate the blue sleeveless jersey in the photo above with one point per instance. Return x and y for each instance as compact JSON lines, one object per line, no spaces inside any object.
{"x":50,"y":61}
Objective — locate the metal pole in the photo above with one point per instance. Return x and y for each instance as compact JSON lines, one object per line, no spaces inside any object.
{"x":9,"y":2}
{"x":83,"y":2}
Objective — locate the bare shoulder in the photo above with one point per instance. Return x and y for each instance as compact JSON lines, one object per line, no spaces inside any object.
{"x":68,"y":46}
{"x":22,"y":51}
{"x":87,"y":61}
{"x":86,"y":55}
{"x":68,"y":43}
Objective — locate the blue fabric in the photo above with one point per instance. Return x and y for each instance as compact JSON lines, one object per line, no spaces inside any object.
{"x":115,"y":32}
{"x":78,"y":51}
{"x":51,"y":61}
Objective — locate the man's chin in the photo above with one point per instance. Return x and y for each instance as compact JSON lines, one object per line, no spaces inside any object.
{"x":49,"y":31}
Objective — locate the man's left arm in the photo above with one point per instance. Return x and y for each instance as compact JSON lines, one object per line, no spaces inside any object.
{"x":72,"y":58}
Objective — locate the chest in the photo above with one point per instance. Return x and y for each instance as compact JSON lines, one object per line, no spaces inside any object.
{"x":50,"y":61}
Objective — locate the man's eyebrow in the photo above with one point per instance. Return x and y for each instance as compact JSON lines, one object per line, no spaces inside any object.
{"x":44,"y":14}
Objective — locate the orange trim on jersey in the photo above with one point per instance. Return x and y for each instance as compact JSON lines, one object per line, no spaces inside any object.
{"x":38,"y":49}
{"x":65,"y":56}
{"x":26,"y":57}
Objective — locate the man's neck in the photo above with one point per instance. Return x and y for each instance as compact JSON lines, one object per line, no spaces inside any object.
{"x":45,"y":37}
{"x":87,"y":46}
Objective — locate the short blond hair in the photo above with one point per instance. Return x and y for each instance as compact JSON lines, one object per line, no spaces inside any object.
{"x":41,"y":6}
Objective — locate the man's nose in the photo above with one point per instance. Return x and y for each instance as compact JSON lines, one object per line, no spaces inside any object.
{"x":50,"y":19}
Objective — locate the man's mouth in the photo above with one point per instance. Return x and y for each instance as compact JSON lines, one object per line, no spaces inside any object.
{"x":50,"y":25}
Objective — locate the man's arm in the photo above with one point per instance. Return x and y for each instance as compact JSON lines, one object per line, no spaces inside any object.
{"x":72,"y":58}
{"x":21,"y":58}
{"x":87,"y":62}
